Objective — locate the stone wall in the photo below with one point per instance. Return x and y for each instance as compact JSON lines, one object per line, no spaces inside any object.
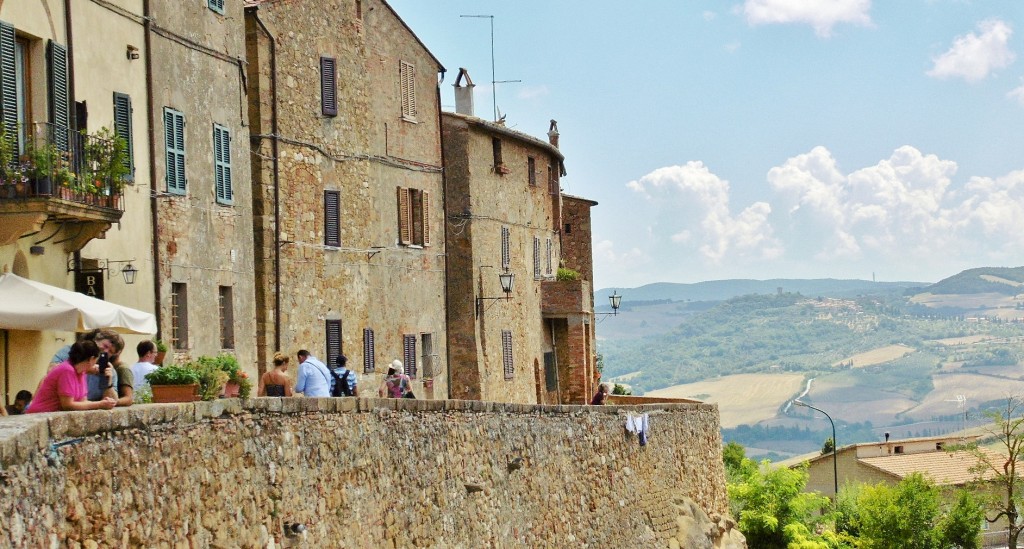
{"x":357,"y":473}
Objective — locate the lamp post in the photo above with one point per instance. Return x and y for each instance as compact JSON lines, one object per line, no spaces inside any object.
{"x":506,"y":279}
{"x":835,"y":445}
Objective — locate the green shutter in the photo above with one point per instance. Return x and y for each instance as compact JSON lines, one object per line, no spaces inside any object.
{"x":222,"y":163}
{"x":8,"y":88}
{"x":123,"y":129}
{"x":174,"y":142}
{"x":217,"y":6}
{"x":60,"y":113}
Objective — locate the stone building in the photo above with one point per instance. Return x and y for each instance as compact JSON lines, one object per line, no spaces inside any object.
{"x":344,"y":103}
{"x":69,"y":69}
{"x":504,"y":217}
{"x":203,"y":198}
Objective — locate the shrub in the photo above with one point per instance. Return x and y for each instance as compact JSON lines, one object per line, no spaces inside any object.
{"x":567,"y":274}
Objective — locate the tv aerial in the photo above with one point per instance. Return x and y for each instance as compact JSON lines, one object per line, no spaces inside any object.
{"x":494,"y":80}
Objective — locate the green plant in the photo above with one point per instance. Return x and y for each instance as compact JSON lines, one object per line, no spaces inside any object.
{"x":161,"y":347}
{"x":42,"y":159}
{"x":7,"y":171}
{"x":107,"y":160}
{"x":227,"y":364}
{"x":185,"y":374}
{"x":565,"y":274}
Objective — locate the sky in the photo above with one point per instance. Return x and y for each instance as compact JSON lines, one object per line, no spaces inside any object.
{"x":763,"y":138}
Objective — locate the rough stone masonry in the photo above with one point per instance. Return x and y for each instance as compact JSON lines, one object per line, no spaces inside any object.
{"x":364,"y":473}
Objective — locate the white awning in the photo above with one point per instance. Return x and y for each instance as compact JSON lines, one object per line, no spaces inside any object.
{"x":30,"y":305}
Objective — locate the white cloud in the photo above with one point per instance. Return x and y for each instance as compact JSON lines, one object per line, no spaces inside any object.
{"x":821,"y":15}
{"x":532,"y":92}
{"x":709,"y":15}
{"x":974,"y":56}
{"x":693,"y":208}
{"x":1017,"y":94}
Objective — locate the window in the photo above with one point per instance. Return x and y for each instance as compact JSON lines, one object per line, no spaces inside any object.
{"x":222,"y":163}
{"x":123,"y":129}
{"x":407,"y":73}
{"x":938,"y":445}
{"x":427,"y":356}
{"x":531,"y":168}
{"x":496,"y":151}
{"x":13,"y":91}
{"x":369,"y":351}
{"x":179,"y":315}
{"x":227,"y":318}
{"x":568,"y":228}
{"x":506,"y":354}
{"x":409,"y":354}
{"x":413,"y":217}
{"x":333,"y":341}
{"x":549,"y":265}
{"x":536,"y":258}
{"x":328,"y":86}
{"x":898,"y":450}
{"x":174,"y":142}
{"x":506,"y":252}
{"x":60,"y":111}
{"x":216,"y":5}
{"x":550,"y":371}
{"x":552,"y":181}
{"x":332,"y":218}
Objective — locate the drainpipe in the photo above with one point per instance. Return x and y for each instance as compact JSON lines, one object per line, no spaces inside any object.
{"x":71,"y":64}
{"x":277,"y":178}
{"x":150,"y":114}
{"x":444,"y":222}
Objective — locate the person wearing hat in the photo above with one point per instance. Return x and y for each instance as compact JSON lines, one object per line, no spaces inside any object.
{"x":396,"y":384}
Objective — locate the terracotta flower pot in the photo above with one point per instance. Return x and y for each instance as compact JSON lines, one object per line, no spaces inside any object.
{"x":160,"y":356}
{"x":231,"y":389}
{"x":175,"y":393}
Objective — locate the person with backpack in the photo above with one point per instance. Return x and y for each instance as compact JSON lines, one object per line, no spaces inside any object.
{"x":345,"y":384}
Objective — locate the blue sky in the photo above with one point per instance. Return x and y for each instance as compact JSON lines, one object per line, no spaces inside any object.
{"x":764,"y":138}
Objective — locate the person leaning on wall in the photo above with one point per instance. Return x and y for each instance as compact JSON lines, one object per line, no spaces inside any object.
{"x":64,"y":387}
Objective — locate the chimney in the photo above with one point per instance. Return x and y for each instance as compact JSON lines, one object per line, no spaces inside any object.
{"x":464,"y":94}
{"x":553,"y":134}
{"x":887,"y":436}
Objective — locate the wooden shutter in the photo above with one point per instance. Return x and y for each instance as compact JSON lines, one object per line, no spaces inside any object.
{"x":123,"y":129}
{"x":409,"y":354}
{"x":60,"y":112}
{"x":8,"y":87}
{"x":333,"y":341}
{"x":505,"y":248}
{"x":550,"y":254}
{"x":328,"y":86}
{"x":425,"y":217}
{"x":531,"y":166}
{"x":407,"y":74}
{"x":550,"y":372}
{"x":222,"y":163}
{"x":404,"y":226}
{"x":536,"y":257}
{"x":506,"y":353}
{"x":332,"y":218}
{"x":369,"y":351}
{"x":174,"y":143}
{"x":217,"y":6}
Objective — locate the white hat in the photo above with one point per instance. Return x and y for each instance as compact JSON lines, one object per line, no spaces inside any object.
{"x":397,"y":364}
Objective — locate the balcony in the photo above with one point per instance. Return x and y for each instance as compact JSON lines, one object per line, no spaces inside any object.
{"x":565,"y":297}
{"x":60,"y":176}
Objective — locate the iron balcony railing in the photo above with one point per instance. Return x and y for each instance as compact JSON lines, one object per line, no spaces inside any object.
{"x":51,"y":161}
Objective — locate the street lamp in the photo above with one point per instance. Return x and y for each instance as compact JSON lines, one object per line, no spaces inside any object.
{"x":835,"y":466}
{"x":506,"y":279}
{"x":615,"y":299}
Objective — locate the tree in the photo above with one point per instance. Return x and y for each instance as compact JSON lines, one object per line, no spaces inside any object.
{"x":1000,"y":469}
{"x":772,"y":507}
{"x":962,"y":524}
{"x":621,"y":390}
{"x":828,"y":446}
{"x":899,"y":517}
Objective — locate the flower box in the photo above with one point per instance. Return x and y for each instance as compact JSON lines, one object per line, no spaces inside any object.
{"x":175,"y":393}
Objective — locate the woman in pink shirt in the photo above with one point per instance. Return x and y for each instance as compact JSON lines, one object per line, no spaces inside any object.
{"x":65,"y":388}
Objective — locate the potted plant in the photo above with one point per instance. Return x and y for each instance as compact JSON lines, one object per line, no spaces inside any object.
{"x":9,"y":175}
{"x":42,"y":161}
{"x":174,"y":383}
{"x":107,"y":159}
{"x":161,"y":352}
{"x":237,"y":382}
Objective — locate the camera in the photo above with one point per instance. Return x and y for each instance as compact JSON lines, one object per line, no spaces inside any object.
{"x":104,"y":363}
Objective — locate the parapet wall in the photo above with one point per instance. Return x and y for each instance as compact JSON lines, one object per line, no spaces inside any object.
{"x":357,"y":473}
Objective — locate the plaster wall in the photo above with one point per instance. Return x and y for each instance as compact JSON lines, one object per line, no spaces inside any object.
{"x":471,"y":474}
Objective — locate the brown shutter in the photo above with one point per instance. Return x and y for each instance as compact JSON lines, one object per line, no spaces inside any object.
{"x":426,"y":218}
{"x":328,"y":86}
{"x":404,"y":229}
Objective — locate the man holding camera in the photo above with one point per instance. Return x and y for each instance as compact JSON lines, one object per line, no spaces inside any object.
{"x":101,"y":383}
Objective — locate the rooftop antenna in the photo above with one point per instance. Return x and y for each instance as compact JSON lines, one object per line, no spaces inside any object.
{"x":961,"y":402}
{"x":494,"y":81}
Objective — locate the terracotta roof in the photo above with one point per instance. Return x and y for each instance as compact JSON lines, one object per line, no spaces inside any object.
{"x":943,"y":468}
